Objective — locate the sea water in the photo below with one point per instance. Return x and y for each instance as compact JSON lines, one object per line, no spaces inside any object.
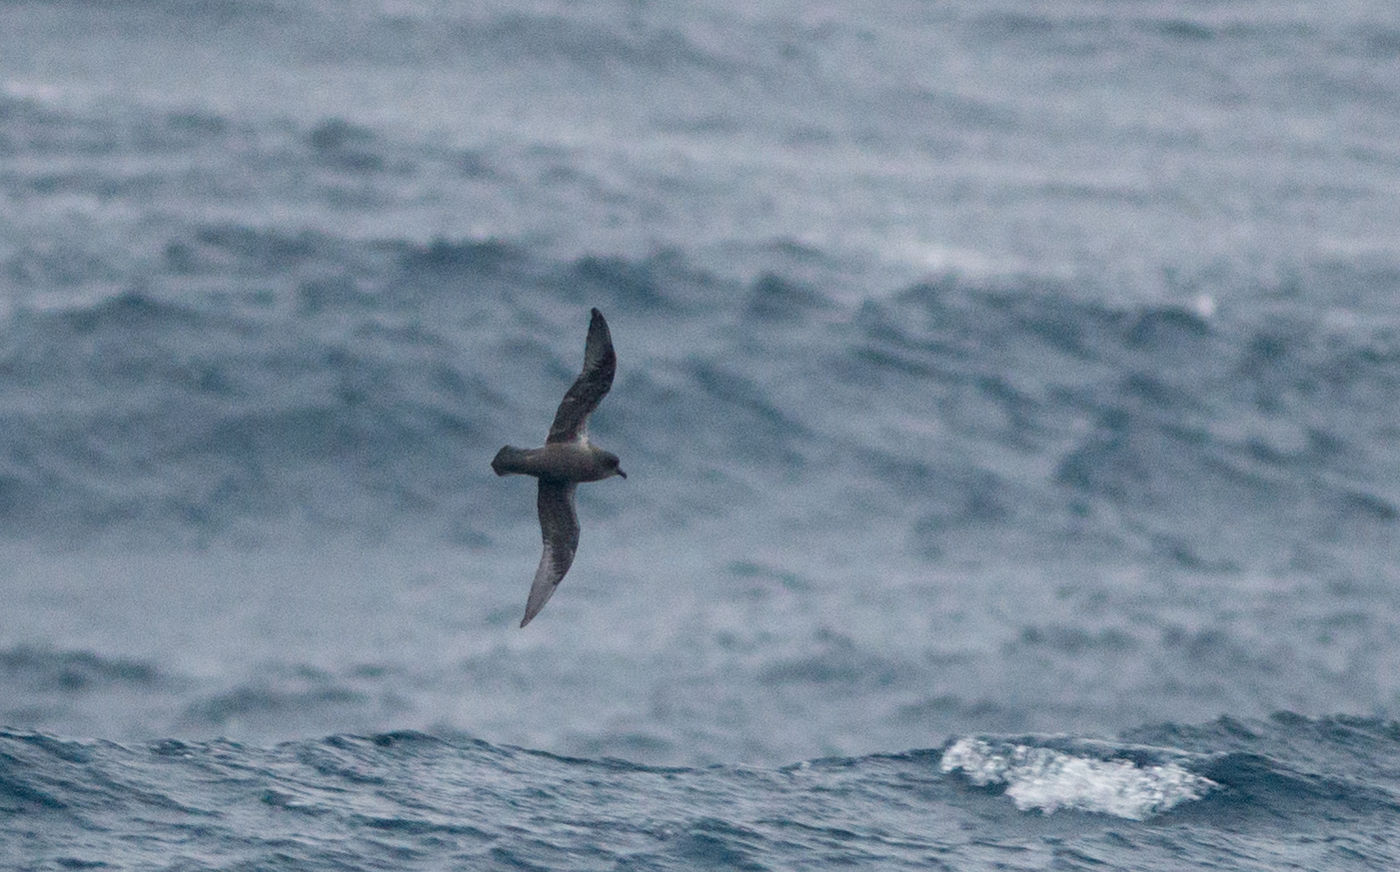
{"x":1008,"y":398}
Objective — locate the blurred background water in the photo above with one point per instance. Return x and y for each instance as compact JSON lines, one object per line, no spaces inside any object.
{"x":1018,"y":383}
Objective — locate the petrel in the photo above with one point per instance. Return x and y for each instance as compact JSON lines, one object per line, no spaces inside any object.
{"x":566,"y":459}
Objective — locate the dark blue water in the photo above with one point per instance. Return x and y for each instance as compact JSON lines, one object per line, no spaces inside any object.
{"x":1229,"y":794}
{"x":1008,"y":401}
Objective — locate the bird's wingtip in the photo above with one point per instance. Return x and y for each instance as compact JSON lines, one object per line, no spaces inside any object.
{"x":539,"y":595}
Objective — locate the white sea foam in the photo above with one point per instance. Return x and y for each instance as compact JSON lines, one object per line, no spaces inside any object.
{"x":1048,"y":780}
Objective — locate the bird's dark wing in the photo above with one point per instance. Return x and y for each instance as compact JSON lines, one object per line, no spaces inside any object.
{"x":559,"y":529}
{"x":588,"y":390}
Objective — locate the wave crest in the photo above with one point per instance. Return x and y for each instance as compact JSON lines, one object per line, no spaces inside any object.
{"x":1048,"y":780}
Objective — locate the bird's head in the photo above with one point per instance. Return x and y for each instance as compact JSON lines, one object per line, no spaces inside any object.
{"x":611,"y":464}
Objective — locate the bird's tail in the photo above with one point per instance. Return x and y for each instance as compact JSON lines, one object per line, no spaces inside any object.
{"x":508,"y":460}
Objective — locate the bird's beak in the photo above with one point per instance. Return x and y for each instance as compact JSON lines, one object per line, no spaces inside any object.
{"x":621,"y":473}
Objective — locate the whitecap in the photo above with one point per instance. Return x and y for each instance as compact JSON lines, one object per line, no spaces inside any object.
{"x":1049,"y":780}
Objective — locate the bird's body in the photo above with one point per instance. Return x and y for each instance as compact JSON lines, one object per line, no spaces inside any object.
{"x":563,"y":461}
{"x":566,"y":460}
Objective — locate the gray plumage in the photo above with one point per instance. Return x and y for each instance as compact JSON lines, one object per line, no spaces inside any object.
{"x":566,"y":459}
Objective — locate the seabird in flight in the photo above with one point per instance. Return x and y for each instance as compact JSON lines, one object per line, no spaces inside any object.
{"x":566,"y":459}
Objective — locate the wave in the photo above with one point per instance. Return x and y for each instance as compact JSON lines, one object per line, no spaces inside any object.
{"x":362,"y":381}
{"x":1048,"y":779}
{"x":73,"y":671}
{"x":388,"y":363}
{"x":1290,"y":767}
{"x":301,"y":695}
{"x":356,"y":800}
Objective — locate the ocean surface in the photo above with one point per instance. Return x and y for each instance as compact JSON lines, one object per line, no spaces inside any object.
{"x":1009,"y":397}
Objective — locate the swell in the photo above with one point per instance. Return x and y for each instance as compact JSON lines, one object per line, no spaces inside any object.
{"x":1228,"y":773}
{"x":1199,"y":432}
{"x":358,"y":382}
{"x":40,"y":669}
